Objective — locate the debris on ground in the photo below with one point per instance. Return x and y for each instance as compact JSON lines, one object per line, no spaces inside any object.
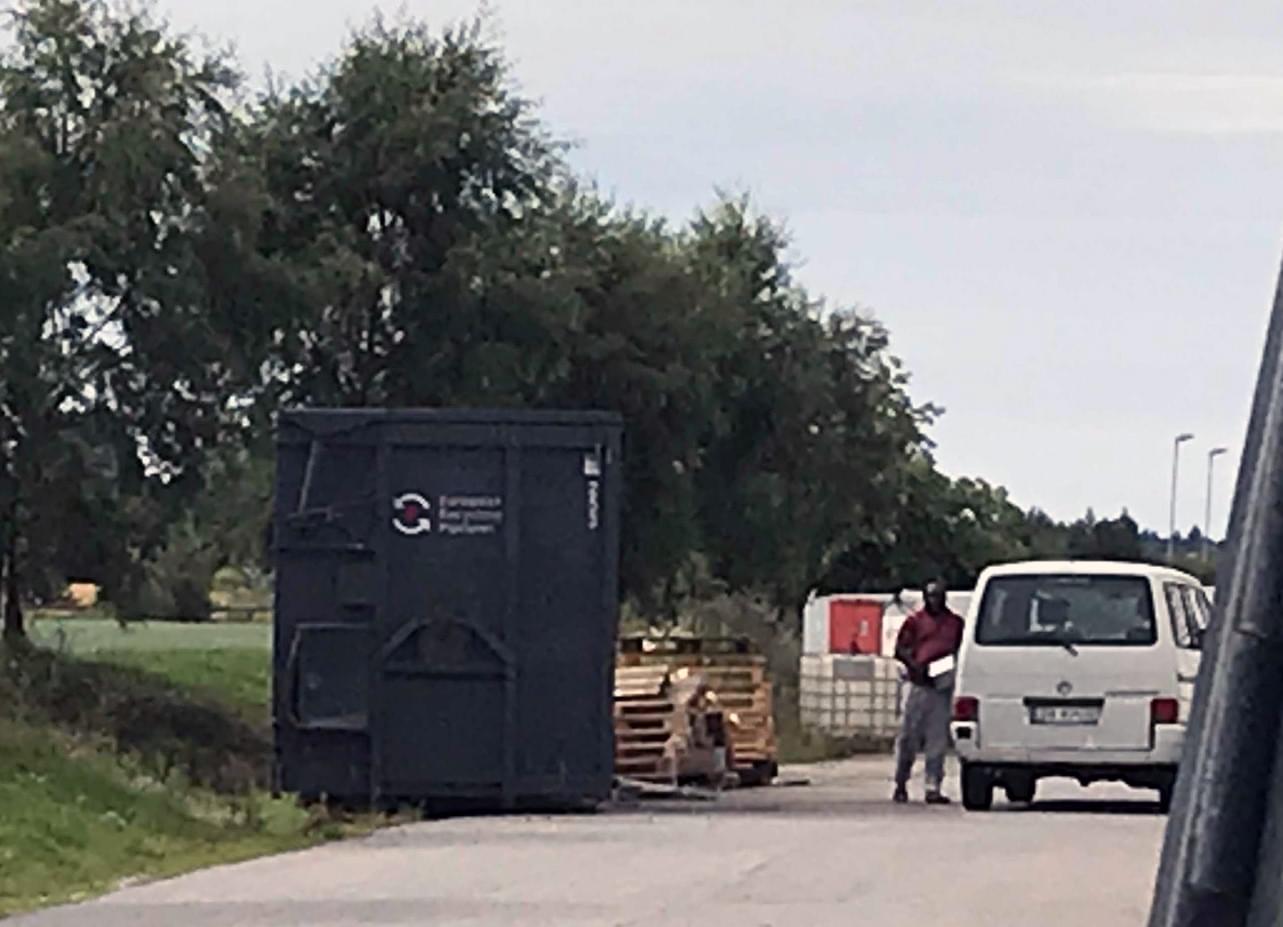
{"x":631,"y":790}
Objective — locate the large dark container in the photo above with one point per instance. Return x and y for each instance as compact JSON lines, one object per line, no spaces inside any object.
{"x":446,"y":605}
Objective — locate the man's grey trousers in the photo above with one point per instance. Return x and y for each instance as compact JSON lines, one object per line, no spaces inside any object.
{"x":925,"y":727}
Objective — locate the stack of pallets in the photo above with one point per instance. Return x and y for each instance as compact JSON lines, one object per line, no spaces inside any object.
{"x":744,"y":694}
{"x":668,"y":727}
{"x":646,"y":725}
{"x":703,"y":748}
{"x":740,"y":688}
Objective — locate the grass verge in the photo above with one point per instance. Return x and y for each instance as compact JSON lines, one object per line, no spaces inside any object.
{"x":239,"y":679}
{"x":135,"y":765}
{"x":76,"y":820}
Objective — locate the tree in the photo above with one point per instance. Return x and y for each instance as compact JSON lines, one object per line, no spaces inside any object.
{"x":1108,"y":539}
{"x":226,"y":524}
{"x":112,"y":360}
{"x":1044,"y":538}
{"x":438,"y":255}
{"x":1118,"y":539}
{"x":940,"y":527}
{"x":401,"y":230}
{"x":642,"y":338}
{"x":390,"y":172}
{"x":811,"y":420}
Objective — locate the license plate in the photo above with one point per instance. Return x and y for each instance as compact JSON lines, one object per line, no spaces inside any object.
{"x":1064,"y":714}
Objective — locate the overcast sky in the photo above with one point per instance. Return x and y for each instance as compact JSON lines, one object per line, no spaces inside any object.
{"x":1068,"y":215}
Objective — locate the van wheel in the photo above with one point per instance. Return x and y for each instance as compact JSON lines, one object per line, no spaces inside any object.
{"x":977,"y":788}
{"x":1021,"y":789}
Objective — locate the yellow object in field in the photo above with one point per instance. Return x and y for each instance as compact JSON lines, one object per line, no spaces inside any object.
{"x":83,"y":595}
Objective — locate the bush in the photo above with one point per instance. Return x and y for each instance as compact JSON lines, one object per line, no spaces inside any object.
{"x":175,"y":583}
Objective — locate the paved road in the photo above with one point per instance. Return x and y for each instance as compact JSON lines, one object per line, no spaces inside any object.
{"x":833,"y":853}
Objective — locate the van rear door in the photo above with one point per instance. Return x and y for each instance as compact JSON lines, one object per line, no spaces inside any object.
{"x":1190,"y":612}
{"x":1067,"y":662}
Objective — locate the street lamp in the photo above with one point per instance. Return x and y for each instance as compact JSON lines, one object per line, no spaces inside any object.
{"x":1176,"y":464}
{"x":1207,"y":520}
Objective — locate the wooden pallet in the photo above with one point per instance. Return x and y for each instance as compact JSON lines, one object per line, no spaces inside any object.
{"x":640,"y":681}
{"x":744,"y":694}
{"x":646,"y":723}
{"x":666,"y":727}
{"x":723,"y":647}
{"x":737,"y":676}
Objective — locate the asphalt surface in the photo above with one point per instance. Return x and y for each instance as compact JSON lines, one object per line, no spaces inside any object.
{"x":834,"y":852}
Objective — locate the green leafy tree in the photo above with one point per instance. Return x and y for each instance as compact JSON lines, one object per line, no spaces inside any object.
{"x":643,"y":338}
{"x":938,"y":527}
{"x":811,"y":422}
{"x":1091,"y":538}
{"x":391,"y":173}
{"x":1045,"y":538}
{"x":224,"y":524}
{"x":106,"y":336}
{"x":437,"y":254}
{"x":401,"y":230}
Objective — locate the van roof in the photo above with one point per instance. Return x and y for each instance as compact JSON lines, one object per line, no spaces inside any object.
{"x":1080,"y":567}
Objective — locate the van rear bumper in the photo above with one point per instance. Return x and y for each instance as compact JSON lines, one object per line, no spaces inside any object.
{"x":1142,"y":776}
{"x":1168,"y":744}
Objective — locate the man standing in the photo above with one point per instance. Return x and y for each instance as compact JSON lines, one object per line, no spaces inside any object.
{"x":928,"y":635}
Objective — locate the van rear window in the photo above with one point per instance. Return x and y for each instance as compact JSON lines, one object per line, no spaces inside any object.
{"x":1066,"y":609}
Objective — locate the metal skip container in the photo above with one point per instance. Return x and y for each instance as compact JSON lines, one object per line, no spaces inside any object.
{"x":446,"y":606}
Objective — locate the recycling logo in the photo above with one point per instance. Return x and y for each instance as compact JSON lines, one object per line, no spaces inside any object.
{"x":411,"y":514}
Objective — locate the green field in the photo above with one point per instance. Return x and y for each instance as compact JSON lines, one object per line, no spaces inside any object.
{"x":89,"y":635}
{"x":230,"y":664}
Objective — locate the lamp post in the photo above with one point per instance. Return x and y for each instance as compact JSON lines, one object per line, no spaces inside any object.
{"x":1176,"y":465}
{"x":1207,"y":519}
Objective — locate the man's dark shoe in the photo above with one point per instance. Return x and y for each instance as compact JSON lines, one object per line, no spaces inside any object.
{"x":901,"y":795}
{"x":936,"y":798}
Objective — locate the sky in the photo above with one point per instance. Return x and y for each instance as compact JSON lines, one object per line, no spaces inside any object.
{"x":1067,"y":215}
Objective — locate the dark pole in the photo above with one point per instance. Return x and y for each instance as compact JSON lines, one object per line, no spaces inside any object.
{"x":13,"y":623}
{"x":1222,"y":860}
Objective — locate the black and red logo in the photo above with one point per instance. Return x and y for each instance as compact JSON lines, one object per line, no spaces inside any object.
{"x":411,"y":514}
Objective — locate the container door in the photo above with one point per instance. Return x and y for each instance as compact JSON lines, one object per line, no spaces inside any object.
{"x":444,"y":695}
{"x":444,"y":672}
{"x":564,"y":634}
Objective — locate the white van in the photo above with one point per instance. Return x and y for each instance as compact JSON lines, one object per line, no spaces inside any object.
{"x":1076,"y":669}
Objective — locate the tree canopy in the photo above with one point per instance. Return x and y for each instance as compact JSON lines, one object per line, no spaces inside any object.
{"x":180,"y":257}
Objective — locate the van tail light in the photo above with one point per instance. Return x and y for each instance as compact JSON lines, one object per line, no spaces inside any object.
{"x":966,"y":708}
{"x":1164,"y":711}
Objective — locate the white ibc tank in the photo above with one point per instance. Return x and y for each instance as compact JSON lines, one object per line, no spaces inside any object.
{"x":850,"y":695}
{"x":815,"y":625}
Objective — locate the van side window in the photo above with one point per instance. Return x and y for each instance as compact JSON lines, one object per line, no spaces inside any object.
{"x":1199,"y":609}
{"x":1185,"y":626}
